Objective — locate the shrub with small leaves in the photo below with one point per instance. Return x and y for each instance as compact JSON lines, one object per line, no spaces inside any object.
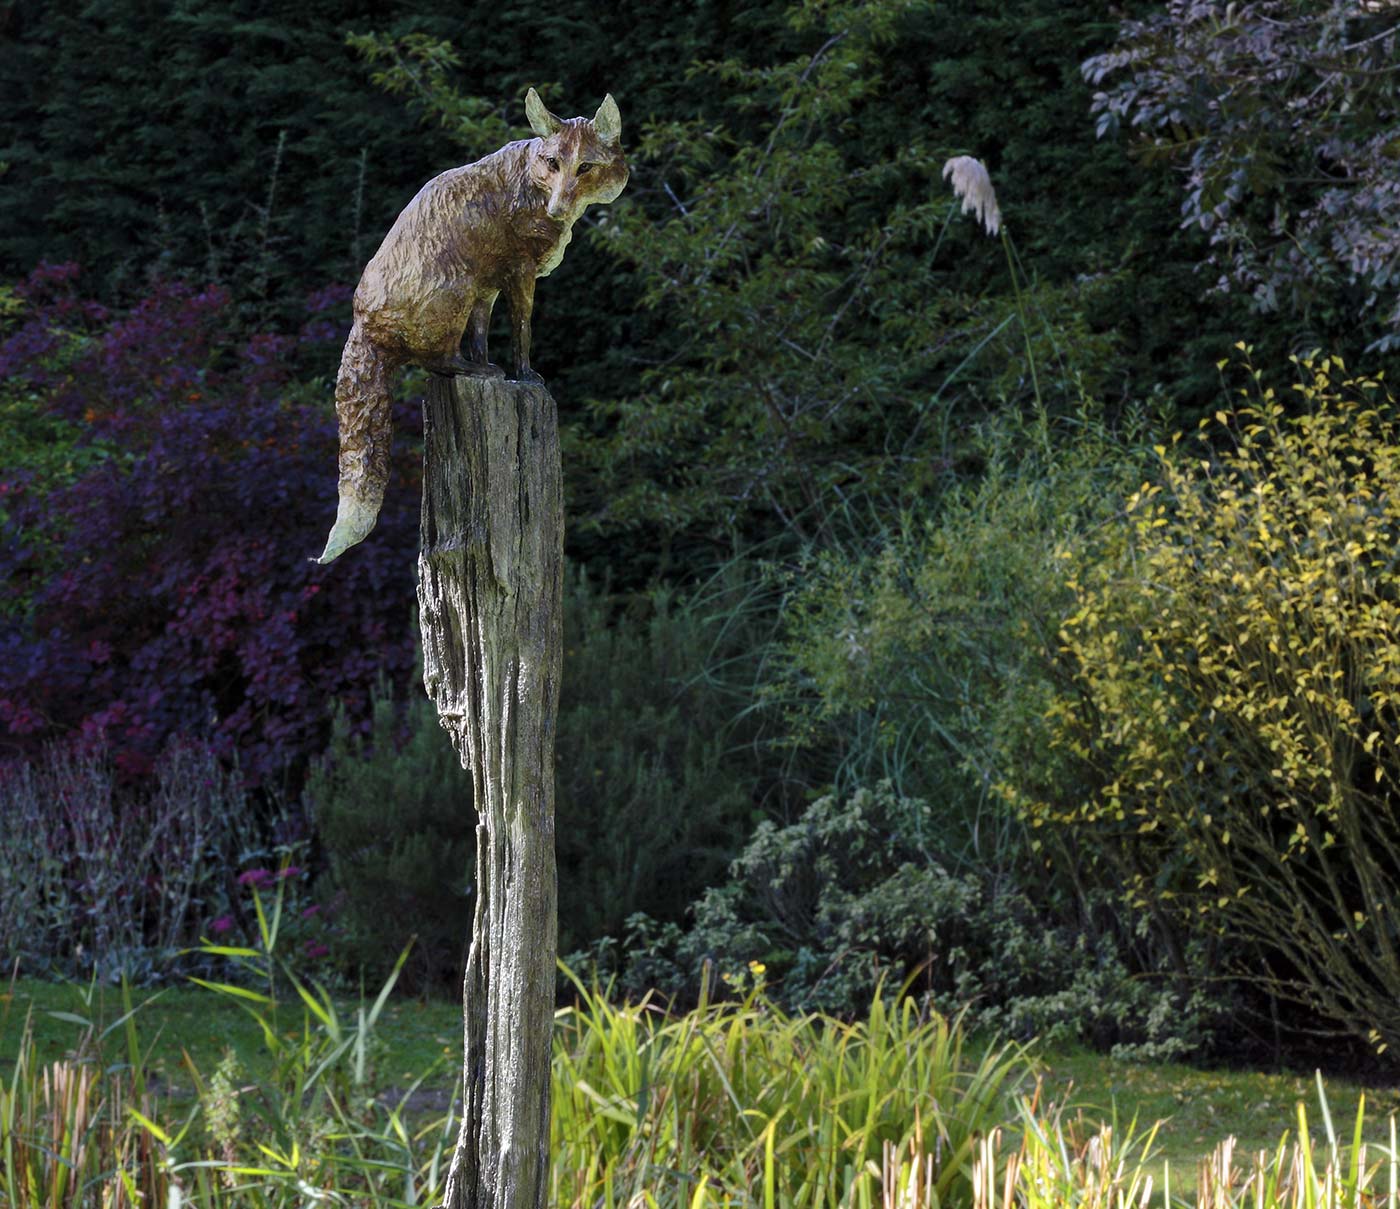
{"x":651,"y":784}
{"x":1235,"y":646}
{"x":394,"y":814}
{"x":849,"y":900}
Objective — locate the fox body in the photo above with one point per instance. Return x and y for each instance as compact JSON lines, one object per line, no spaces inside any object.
{"x":470,"y":235}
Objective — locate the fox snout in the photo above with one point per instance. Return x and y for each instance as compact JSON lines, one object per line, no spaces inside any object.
{"x":560,"y":205}
{"x":569,"y":194}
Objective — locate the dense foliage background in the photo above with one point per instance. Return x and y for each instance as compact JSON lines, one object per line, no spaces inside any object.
{"x":865,"y":680}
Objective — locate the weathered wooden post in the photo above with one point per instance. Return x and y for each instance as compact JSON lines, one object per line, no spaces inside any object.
{"x":490,"y":573}
{"x":489,"y":579}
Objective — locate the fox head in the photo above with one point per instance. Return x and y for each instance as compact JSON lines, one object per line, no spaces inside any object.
{"x":576,"y":161}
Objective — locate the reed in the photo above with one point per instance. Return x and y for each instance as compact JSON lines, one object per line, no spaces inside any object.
{"x":90,"y":1131}
{"x":733,"y":1104}
{"x":68,"y":1132}
{"x":738,"y":1103}
{"x":1113,"y":1168}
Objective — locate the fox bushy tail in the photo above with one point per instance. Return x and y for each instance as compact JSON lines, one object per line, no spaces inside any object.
{"x":364,"y":408}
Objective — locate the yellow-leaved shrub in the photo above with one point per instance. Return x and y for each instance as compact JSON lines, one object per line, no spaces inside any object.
{"x":1235,"y":652}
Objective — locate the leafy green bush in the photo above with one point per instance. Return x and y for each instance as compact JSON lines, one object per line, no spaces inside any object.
{"x":652,"y":784}
{"x":393,"y":810}
{"x":813,"y":334}
{"x":1235,"y":703}
{"x":849,"y":898}
{"x":917,"y":658}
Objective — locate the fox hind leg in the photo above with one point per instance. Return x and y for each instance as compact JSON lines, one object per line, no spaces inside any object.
{"x":475,"y":364}
{"x":458,"y":366}
{"x":478,"y":325}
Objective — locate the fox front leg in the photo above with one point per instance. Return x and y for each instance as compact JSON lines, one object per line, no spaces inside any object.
{"x":521,"y":293}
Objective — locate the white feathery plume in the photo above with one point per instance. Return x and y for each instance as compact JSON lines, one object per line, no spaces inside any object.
{"x":974,"y":186}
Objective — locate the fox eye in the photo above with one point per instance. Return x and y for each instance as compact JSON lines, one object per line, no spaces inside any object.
{"x":552,"y":162}
{"x":583,"y":168}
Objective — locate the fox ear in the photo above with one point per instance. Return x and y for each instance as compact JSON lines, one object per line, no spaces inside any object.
{"x":607,"y":121}
{"x":542,"y":122}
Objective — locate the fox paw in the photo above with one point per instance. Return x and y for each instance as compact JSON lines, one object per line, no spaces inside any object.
{"x":460,"y":367}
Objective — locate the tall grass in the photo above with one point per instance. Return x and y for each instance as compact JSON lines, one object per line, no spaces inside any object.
{"x":1115,"y":1168}
{"x":739,"y":1103}
{"x":733,"y":1104}
{"x":91,"y":1130}
{"x":83,"y":1132}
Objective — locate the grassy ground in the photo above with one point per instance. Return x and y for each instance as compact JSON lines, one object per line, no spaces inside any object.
{"x":414,"y":1035}
{"x":1198,"y":1107}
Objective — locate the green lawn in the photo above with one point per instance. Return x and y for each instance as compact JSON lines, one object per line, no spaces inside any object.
{"x":1198,"y":1107}
{"x":414,"y":1035}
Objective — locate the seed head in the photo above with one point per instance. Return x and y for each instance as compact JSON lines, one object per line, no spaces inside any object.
{"x":972,"y":184}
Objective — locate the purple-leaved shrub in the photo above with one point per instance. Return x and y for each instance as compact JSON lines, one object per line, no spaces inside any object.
{"x":168,"y":590}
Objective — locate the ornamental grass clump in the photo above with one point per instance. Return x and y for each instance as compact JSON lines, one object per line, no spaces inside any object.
{"x":737,"y":1103}
{"x":1061,"y":1164}
{"x":972,"y":185}
{"x":1235,"y":650}
{"x":1049,"y":1169}
{"x":67,"y":1137}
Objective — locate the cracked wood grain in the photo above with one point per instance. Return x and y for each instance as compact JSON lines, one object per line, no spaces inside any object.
{"x":489,"y":594}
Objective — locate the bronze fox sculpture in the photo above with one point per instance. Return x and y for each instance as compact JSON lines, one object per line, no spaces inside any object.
{"x":470,"y":234}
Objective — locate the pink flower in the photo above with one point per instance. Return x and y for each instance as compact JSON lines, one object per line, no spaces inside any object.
{"x":223,"y":924}
{"x":314,"y":948}
{"x":255,"y":877}
{"x":313,"y":909}
{"x":289,"y":871}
